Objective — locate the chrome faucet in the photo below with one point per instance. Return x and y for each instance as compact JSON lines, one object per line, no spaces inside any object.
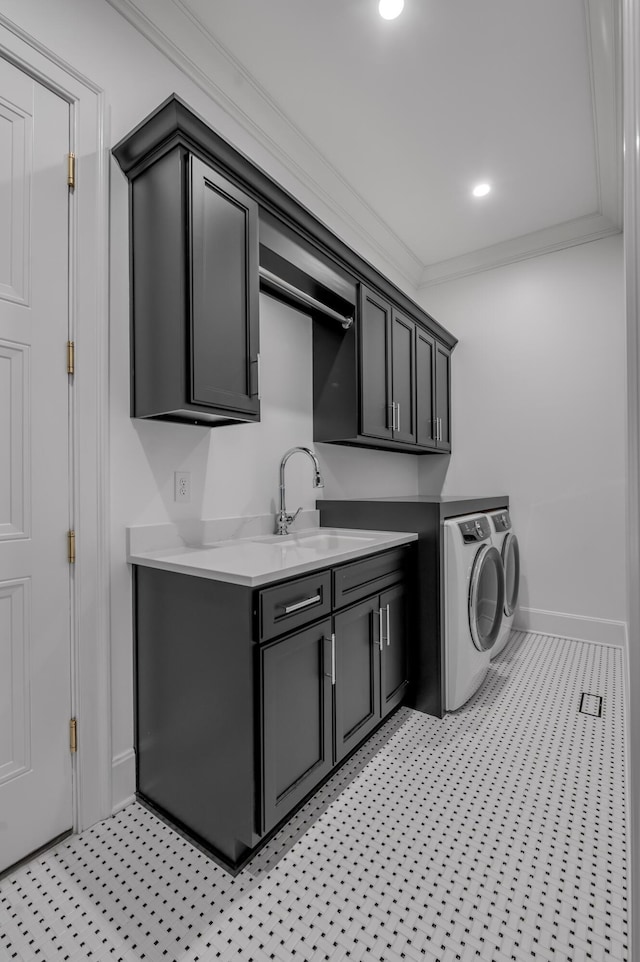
{"x":283,"y":520}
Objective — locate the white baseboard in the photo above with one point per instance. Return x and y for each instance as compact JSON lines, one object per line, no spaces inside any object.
{"x":598,"y":630}
{"x":123,"y":779}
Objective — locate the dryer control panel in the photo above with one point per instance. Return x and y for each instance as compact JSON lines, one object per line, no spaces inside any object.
{"x":502,"y":521}
{"x":474,"y":529}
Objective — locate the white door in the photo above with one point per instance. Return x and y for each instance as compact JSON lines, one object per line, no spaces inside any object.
{"x":35,"y":648}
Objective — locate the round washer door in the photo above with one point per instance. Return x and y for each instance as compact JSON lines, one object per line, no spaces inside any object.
{"x":486,"y":597}
{"x":511,"y":565}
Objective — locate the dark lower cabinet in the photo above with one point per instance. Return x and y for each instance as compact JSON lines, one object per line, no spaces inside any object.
{"x":357,"y":675}
{"x":394,"y":669}
{"x":244,"y":706}
{"x":297,"y":722}
{"x":371,"y":665}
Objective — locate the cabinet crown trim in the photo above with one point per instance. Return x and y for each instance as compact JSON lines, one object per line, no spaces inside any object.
{"x":173,"y":122}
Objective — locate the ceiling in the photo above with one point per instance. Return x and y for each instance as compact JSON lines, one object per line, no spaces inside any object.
{"x":391,"y":123}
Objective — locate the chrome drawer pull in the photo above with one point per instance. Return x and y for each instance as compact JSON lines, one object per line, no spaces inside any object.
{"x":302,"y":604}
{"x":381,"y":631}
{"x":388,"y":629}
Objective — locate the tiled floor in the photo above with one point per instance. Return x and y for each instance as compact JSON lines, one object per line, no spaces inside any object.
{"x":497,"y":833}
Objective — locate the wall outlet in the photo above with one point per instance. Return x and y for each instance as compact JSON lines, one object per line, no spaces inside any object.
{"x":182,"y":486}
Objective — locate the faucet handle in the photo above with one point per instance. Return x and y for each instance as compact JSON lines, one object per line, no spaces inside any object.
{"x":283,"y":520}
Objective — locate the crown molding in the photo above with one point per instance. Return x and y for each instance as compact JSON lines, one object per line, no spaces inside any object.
{"x":201,"y":57}
{"x":582,"y":230}
{"x":604,"y":45}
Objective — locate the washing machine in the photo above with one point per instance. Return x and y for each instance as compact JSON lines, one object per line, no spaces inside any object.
{"x":473,"y":604}
{"x":507,"y":544}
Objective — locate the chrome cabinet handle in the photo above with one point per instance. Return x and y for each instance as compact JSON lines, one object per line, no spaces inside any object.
{"x":392,"y":407}
{"x":333,"y":658}
{"x":302,"y":604}
{"x":332,"y":674}
{"x":388,"y":629}
{"x":381,"y":630}
{"x":398,"y":406}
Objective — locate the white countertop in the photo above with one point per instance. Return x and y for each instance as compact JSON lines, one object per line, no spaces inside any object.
{"x":264,"y":559}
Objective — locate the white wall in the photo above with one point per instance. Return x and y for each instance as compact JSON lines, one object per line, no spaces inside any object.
{"x":235,"y":468}
{"x":539,"y":413}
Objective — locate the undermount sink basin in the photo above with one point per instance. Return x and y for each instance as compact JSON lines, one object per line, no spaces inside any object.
{"x":328,"y":540}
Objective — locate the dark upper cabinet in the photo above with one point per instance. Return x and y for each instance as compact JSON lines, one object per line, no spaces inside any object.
{"x":403,"y":381}
{"x":375,"y":366}
{"x":194,"y":276}
{"x":443,"y":397}
{"x":297,"y":723}
{"x":195,"y":291}
{"x":223,"y":293}
{"x":426,"y":426}
{"x":387,"y":370}
{"x":208,"y":228}
{"x":402,"y":371}
{"x":433,"y":393}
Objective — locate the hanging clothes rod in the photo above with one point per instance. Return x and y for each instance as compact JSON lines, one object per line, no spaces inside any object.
{"x":272,"y":280}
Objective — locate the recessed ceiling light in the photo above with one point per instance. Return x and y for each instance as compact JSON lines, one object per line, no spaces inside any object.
{"x":390,"y":9}
{"x":481,"y":190}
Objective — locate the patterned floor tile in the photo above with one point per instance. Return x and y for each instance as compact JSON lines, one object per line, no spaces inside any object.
{"x":497,"y":833}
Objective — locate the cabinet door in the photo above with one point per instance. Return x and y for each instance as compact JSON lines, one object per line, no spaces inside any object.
{"x":443,"y":396}
{"x":403,"y":395}
{"x":425,"y":385}
{"x":393,"y":657}
{"x":375,"y":365}
{"x":224,"y":293}
{"x":357,"y":687}
{"x":295,"y":676}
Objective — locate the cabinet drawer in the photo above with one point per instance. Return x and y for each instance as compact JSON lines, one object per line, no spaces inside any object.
{"x":357,"y":580}
{"x":293,"y":604}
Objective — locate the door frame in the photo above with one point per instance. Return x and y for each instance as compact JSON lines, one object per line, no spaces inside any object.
{"x":88,"y":421}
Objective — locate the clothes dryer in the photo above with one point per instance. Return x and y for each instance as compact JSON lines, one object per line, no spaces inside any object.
{"x":473,"y":604}
{"x":507,"y":544}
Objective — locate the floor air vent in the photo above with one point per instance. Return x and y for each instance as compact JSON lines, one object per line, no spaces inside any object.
{"x":591,"y":704}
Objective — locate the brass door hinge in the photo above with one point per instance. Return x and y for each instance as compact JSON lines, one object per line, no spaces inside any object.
{"x":73,"y":736}
{"x":71,"y":357}
{"x":71,"y":171}
{"x":71,"y":545}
